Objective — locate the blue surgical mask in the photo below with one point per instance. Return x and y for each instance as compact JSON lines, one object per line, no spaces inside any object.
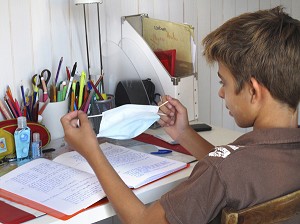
{"x":127,"y":121}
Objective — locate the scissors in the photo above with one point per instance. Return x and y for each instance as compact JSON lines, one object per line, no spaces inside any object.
{"x":36,"y":79}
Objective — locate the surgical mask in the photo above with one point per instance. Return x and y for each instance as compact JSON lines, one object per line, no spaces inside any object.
{"x":127,"y":121}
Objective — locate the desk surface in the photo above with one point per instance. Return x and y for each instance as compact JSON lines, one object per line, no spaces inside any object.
{"x":147,"y":194}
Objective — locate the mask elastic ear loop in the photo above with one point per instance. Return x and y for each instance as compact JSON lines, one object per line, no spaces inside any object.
{"x":99,"y":115}
{"x":162,"y":114}
{"x":96,"y":115}
{"x":163,"y":103}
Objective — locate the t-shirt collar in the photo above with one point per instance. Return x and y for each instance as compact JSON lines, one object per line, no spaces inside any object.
{"x":270,"y":136}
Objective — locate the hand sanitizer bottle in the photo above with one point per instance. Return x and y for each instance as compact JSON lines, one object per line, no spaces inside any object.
{"x":22,"y":138}
{"x":36,"y":146}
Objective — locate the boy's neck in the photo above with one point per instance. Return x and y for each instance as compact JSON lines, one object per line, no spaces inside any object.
{"x":277,"y":115}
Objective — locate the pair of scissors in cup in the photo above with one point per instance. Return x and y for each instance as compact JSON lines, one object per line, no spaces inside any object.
{"x":36,"y":79}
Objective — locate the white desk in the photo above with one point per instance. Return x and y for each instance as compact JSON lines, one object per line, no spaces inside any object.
{"x":147,"y":194}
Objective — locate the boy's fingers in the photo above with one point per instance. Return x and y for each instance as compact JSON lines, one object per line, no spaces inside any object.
{"x":83,"y":118}
{"x":66,"y":120}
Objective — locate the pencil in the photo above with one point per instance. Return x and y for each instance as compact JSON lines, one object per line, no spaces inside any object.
{"x":18,"y":108}
{"x":10,"y":108}
{"x":99,"y":80}
{"x":43,"y":107}
{"x":96,"y":90}
{"x":4,"y":111}
{"x":87,"y":103}
{"x":72,"y":101}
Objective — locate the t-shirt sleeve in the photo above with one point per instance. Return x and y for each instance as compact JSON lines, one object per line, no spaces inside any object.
{"x":198,"y":199}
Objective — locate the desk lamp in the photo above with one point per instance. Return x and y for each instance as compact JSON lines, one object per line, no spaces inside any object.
{"x":84,"y":2}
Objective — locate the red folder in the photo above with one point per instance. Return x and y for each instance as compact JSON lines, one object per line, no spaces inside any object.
{"x":32,"y":204}
{"x":150,"y":139}
{"x":167,"y":58}
{"x":12,"y":215}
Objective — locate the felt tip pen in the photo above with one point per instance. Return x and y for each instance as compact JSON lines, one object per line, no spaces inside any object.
{"x":58,"y":69}
{"x":161,"y":151}
{"x":81,"y":87}
{"x":48,"y":150}
{"x":71,"y":79}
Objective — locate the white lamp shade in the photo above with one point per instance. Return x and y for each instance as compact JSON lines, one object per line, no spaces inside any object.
{"x":77,"y":2}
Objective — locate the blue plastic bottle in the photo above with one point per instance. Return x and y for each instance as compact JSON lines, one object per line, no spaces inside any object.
{"x":22,"y":138}
{"x":36,"y":146}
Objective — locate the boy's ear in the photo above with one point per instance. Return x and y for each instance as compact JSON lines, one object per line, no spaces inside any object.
{"x":256,"y":90}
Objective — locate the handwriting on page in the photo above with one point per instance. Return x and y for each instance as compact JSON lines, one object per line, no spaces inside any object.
{"x":122,"y":159}
{"x":132,"y":166}
{"x":140,"y":171}
{"x":47,"y":182}
{"x":135,"y":168}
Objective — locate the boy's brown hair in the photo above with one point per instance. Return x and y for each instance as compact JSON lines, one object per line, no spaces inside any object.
{"x":264,"y":45}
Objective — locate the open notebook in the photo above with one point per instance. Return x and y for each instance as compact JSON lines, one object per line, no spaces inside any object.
{"x":67,"y":185}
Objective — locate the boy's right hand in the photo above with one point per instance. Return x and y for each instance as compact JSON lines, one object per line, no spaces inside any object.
{"x":176,"y":121}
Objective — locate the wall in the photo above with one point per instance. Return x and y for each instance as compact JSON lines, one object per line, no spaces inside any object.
{"x":36,"y":33}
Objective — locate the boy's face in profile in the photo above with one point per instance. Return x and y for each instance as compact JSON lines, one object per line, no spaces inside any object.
{"x":238,"y":104}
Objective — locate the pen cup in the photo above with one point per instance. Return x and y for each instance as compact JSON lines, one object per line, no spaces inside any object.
{"x":51,"y":117}
{"x":98,"y":107}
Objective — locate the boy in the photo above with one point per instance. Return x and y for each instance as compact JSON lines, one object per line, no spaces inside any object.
{"x":258,"y":56}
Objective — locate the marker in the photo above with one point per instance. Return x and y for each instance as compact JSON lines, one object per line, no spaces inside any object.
{"x":64,"y":90}
{"x":161,"y":151}
{"x":24,"y":102}
{"x":82,"y":84}
{"x":58,"y":69}
{"x":68,"y":73}
{"x":48,"y":150}
{"x":71,"y":79}
{"x":23,"y":95}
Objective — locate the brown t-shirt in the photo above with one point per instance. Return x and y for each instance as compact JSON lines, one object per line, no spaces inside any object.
{"x":258,"y":166}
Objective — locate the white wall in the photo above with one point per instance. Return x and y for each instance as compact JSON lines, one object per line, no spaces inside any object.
{"x":34,"y":34}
